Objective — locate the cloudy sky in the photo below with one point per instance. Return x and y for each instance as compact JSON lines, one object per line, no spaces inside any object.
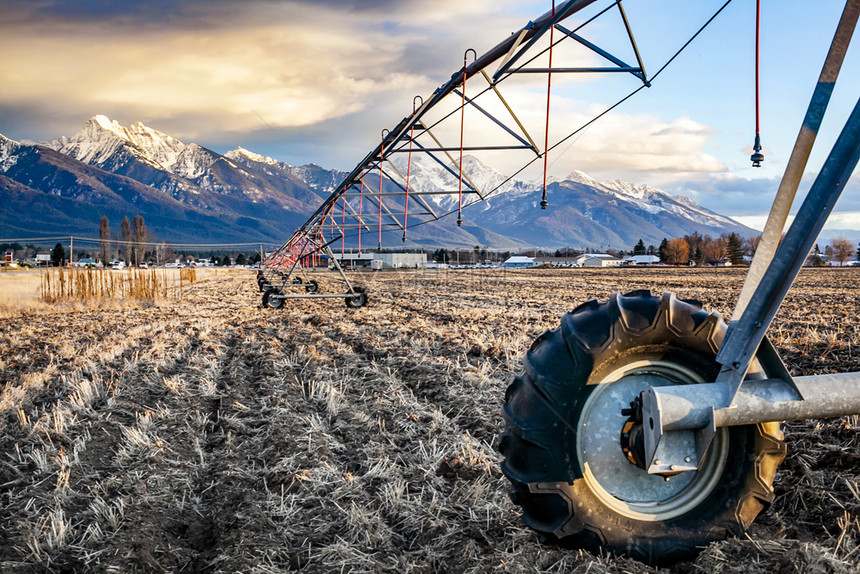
{"x":316,"y":81}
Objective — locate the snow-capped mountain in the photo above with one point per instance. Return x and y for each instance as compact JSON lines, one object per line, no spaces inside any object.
{"x":8,"y":153}
{"x":513,"y":204}
{"x":106,"y":167}
{"x":108,"y":145}
{"x":319,"y":179}
{"x":189,"y":173}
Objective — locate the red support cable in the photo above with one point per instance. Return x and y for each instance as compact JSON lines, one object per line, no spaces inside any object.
{"x":360,"y":222}
{"x":379,"y":199}
{"x":757,"y":157}
{"x":462,"y":120}
{"x":543,"y":202}
{"x":757,"y":41}
{"x":408,"y":173}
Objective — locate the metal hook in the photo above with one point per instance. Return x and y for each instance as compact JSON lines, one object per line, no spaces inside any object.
{"x":414,"y":107}
{"x":466,"y":56}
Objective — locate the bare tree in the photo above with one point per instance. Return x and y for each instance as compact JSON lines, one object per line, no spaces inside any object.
{"x":751,"y":244}
{"x":126,"y":239}
{"x":104,"y":239}
{"x":164,"y":253}
{"x":677,"y":251}
{"x":842,"y":249}
{"x":138,"y":237}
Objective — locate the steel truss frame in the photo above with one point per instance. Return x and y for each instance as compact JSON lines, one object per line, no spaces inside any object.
{"x":379,"y":197}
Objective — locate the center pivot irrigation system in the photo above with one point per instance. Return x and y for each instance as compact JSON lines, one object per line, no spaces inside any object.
{"x":643,"y":425}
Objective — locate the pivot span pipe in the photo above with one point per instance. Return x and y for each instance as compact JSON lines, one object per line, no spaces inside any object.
{"x":690,"y":407}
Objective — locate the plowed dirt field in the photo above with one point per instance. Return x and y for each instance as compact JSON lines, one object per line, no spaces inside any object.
{"x":212,"y":435}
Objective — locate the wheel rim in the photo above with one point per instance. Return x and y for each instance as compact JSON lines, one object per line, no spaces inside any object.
{"x":623,"y":487}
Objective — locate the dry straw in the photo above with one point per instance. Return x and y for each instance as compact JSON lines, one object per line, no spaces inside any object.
{"x":92,"y":284}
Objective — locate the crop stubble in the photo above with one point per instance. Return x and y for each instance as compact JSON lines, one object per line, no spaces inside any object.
{"x":214,"y":435}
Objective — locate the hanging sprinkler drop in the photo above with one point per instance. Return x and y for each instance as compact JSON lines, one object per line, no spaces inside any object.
{"x":757,"y":157}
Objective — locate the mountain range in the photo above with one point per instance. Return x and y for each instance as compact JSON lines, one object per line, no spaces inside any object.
{"x":188,"y":193}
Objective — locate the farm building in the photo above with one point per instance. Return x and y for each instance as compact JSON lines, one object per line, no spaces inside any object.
{"x":519,"y":262}
{"x":601,"y":261}
{"x":556,"y":261}
{"x":382,"y":260}
{"x":642,"y":260}
{"x":354,"y":259}
{"x":401,"y":260}
{"x":581,"y":259}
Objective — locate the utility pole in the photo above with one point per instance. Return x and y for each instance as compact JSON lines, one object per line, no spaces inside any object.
{"x":72,"y":251}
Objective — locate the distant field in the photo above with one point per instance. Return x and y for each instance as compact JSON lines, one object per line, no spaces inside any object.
{"x":214,"y":435}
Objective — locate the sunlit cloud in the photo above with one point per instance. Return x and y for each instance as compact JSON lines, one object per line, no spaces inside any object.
{"x":290,"y":63}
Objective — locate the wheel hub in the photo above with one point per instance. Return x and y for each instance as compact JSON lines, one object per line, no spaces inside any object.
{"x":611,"y":448}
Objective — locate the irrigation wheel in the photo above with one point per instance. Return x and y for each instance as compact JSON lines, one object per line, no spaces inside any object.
{"x":359,"y":299}
{"x":273,"y":302}
{"x":311,"y":286}
{"x":562,"y":444}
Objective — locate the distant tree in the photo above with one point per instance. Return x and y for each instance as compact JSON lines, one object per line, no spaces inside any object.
{"x":652,"y":250}
{"x":241,"y":259}
{"x":164,"y":253}
{"x":256,"y":258}
{"x":58,"y":255}
{"x":858,"y":252}
{"x":751,"y":245}
{"x":639,"y":248}
{"x":716,"y":250}
{"x":661,"y":251}
{"x":677,"y":251}
{"x":125,"y":227}
{"x":214,"y":260}
{"x":225,"y":261}
{"x":138,"y":238}
{"x":694,"y":240}
{"x":736,"y":249}
{"x":815,"y":260}
{"x":698,"y":255}
{"x":828,"y":251}
{"x":842,"y":249}
{"x":104,"y":239}
{"x":114,"y":251}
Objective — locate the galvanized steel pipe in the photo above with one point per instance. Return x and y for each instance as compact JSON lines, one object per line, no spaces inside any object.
{"x":690,"y":407}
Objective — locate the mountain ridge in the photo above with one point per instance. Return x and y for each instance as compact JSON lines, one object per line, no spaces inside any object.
{"x":246,"y":195}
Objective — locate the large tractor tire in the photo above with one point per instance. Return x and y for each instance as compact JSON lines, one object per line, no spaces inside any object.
{"x":562,"y":444}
